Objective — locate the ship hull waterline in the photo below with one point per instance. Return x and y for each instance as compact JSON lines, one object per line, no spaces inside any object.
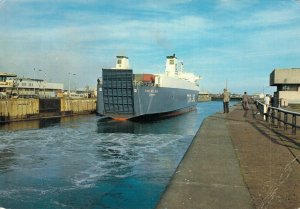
{"x":148,"y":103}
{"x":152,"y":117}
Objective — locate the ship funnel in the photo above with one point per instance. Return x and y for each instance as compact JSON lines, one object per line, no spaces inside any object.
{"x":122,"y":62}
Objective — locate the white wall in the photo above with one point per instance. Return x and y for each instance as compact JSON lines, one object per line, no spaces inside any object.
{"x":290,"y":96}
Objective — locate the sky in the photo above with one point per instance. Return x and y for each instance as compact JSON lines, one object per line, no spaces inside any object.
{"x":238,"y":41}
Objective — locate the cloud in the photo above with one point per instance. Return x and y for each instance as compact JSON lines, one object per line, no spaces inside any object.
{"x":271,"y":17}
{"x":115,"y":30}
{"x":237,"y":39}
{"x":55,"y":1}
{"x":234,"y":4}
{"x":60,"y":49}
{"x":163,"y":3}
{"x":2,"y":3}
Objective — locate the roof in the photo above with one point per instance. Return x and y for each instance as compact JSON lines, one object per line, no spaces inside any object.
{"x":171,"y":57}
{"x":122,"y":57}
{"x":8,"y":74}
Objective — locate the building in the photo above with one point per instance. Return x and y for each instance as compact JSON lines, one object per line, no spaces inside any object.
{"x":203,"y":96}
{"x":287,"y":82}
{"x":4,"y":84}
{"x":13,"y":86}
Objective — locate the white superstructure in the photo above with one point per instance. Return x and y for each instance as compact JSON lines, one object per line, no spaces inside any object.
{"x":175,"y":77}
{"x":122,"y":62}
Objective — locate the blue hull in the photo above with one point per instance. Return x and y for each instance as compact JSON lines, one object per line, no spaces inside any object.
{"x":123,"y":100}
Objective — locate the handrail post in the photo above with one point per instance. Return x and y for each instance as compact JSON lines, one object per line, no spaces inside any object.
{"x":267,"y":115}
{"x":294,"y":124}
{"x":285,"y":121}
{"x":278,"y":118}
{"x":273,"y":116}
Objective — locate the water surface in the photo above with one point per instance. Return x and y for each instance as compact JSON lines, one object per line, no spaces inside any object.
{"x":84,"y":162}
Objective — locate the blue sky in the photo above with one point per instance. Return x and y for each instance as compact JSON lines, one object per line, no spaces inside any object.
{"x":240,"y":41}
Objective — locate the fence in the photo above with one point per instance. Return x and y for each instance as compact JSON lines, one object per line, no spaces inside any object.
{"x":281,"y":116}
{"x":262,"y":108}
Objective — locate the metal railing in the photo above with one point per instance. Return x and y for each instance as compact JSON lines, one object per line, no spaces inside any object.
{"x":262,"y":108}
{"x":281,"y":116}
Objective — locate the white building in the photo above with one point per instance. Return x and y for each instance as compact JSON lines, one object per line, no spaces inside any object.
{"x":11,"y":85}
{"x":4,"y":84}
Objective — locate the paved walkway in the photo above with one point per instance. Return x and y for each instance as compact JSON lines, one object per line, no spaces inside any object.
{"x":237,"y":161}
{"x":269,"y":159}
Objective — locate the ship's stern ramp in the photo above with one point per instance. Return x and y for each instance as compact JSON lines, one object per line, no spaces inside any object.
{"x":117,"y":93}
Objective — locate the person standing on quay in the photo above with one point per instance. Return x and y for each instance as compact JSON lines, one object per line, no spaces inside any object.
{"x":226,"y":98}
{"x":267,"y":102}
{"x":245,"y":101}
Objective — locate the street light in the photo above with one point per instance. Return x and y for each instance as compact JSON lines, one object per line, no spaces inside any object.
{"x":69,"y":81}
{"x":45,"y":85}
{"x":34,"y":81}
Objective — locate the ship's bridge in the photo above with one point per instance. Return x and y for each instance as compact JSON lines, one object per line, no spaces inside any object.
{"x":175,"y":69}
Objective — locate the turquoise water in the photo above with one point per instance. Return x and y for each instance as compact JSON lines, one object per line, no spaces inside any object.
{"x":83,"y":162}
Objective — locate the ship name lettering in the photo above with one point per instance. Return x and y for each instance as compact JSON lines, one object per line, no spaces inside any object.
{"x":151,"y":90}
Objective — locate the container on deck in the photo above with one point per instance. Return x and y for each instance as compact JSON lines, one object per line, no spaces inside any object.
{"x":148,"y":77}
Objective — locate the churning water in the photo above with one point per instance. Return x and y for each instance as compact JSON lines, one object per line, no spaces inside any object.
{"x":83,"y":162}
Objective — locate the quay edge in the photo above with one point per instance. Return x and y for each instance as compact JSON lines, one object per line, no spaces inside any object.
{"x":209,"y":175}
{"x":31,"y":109}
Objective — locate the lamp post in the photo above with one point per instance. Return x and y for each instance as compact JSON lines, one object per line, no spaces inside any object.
{"x":69,"y":81}
{"x":34,"y":82}
{"x":45,"y":85}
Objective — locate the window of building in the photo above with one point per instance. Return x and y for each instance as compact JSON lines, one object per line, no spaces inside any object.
{"x":171,"y":62}
{"x":288,"y":87}
{"x":119,"y":61}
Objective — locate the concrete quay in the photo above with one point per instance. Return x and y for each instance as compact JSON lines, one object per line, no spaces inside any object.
{"x":237,"y":160}
{"x":30,"y":108}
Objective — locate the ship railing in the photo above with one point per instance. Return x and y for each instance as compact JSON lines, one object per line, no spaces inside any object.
{"x":279,"y":117}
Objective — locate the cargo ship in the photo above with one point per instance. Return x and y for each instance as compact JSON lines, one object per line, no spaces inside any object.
{"x":123,"y":95}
